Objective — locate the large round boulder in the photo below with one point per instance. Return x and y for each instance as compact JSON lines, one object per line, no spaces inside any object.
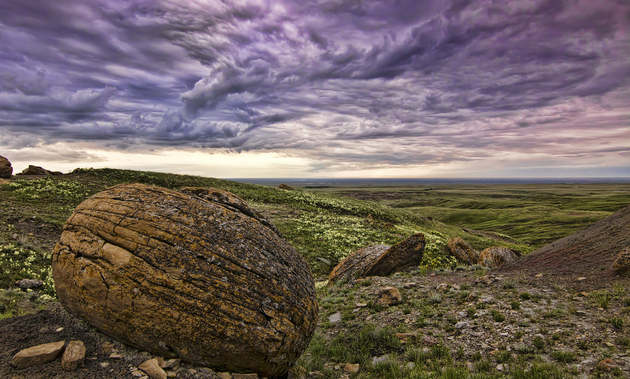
{"x":6,"y":170}
{"x":184,"y":275}
{"x":495,"y":256}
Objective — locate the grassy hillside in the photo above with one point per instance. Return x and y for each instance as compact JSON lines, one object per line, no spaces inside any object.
{"x":533,"y":214}
{"x":324,"y":228}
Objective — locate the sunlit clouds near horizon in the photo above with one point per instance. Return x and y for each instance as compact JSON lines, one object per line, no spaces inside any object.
{"x":474,"y":88}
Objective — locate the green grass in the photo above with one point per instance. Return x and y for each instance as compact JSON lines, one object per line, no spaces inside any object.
{"x":533,"y":214}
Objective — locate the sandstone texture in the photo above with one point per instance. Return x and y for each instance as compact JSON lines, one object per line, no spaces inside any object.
{"x":6,"y":170}
{"x":182,"y":275}
{"x":406,"y":253}
{"x":38,"y":355}
{"x":74,"y":356}
{"x":354,"y":265}
{"x":231,"y":201}
{"x":622,"y":263}
{"x":462,"y":250}
{"x":380,"y":260}
{"x":496,"y":256}
{"x":388,"y":296}
{"x":152,"y":369}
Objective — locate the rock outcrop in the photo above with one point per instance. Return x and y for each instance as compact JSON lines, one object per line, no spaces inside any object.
{"x":407,"y":253}
{"x":36,"y":170}
{"x":356,"y":264}
{"x":6,"y":170}
{"x":380,"y":260}
{"x":182,"y":275}
{"x":622,"y":263}
{"x":285,"y":187}
{"x":496,"y":256}
{"x":462,"y":250}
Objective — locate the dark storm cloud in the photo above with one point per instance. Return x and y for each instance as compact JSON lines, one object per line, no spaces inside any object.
{"x":447,"y":76}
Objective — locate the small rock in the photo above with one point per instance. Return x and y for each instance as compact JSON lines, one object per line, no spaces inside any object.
{"x":381,"y":359}
{"x":441,"y":287}
{"x":581,"y":278}
{"x":500,"y":367}
{"x":153,"y":369}
{"x":487,"y":280}
{"x":409,"y":285}
{"x":622,"y":262}
{"x":456,"y":287}
{"x":335,"y":318}
{"x":428,"y":340}
{"x":538,"y":275}
{"x":59,"y":329}
{"x":469,"y":366}
{"x":73,"y":356}
{"x":38,"y":355}
{"x":324,"y":260}
{"x":224,"y":375}
{"x":360,"y":305}
{"x":411,"y":365}
{"x":115,"y":355}
{"x":351,"y":368}
{"x":104,"y":364}
{"x":26,"y":284}
{"x":136,"y":373}
{"x":171,"y":363}
{"x":461,"y":325}
{"x":608,"y":364}
{"x":388,"y":296}
{"x":171,"y":374}
{"x":404,"y":336}
{"x":584,"y":293}
{"x":107,"y":347}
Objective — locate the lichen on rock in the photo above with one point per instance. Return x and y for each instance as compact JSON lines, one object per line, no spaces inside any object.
{"x":182,"y":275}
{"x":380,"y":260}
{"x":496,"y":256}
{"x":462,"y":250}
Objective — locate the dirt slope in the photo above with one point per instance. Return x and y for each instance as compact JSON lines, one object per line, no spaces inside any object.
{"x":592,"y":250}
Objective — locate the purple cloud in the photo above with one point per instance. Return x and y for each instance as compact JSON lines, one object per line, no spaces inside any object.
{"x":426,"y":82}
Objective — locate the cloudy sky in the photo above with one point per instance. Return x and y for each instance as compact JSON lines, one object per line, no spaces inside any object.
{"x":318,"y":88}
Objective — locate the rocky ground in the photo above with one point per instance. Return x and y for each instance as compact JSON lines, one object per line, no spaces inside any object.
{"x":491,"y":324}
{"x":472,"y":321}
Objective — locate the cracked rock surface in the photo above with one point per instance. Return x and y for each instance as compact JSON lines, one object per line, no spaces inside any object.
{"x":186,"y":276}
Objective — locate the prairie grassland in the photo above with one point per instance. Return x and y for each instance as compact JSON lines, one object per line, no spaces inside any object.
{"x":513,"y":328}
{"x":532,"y":214}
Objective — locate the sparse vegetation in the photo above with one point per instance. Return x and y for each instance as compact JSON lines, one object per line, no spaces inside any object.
{"x":459,"y":332}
